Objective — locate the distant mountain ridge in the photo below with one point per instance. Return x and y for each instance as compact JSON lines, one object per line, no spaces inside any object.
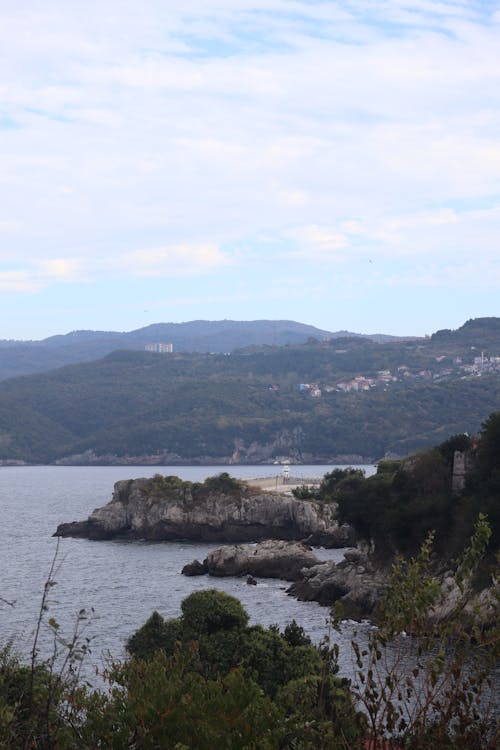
{"x":219,"y":336}
{"x":348,"y":400}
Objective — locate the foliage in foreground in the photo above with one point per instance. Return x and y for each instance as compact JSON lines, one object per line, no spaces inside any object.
{"x":286,"y":669}
{"x":430,"y":681}
{"x":205,"y":680}
{"x":208,"y":680}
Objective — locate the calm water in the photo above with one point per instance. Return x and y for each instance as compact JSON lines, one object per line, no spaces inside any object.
{"x":122,"y":581}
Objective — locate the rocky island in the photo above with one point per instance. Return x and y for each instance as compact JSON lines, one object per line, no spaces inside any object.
{"x":221,"y":509}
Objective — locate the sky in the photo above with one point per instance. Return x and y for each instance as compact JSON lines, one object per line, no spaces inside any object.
{"x":331,"y":162}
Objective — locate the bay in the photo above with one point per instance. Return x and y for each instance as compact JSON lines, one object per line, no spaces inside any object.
{"x":119,"y":583}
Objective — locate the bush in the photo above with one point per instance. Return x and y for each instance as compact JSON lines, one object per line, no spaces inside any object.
{"x":205,"y":612}
{"x":165,"y":703}
{"x":155,"y":634}
{"x":304,"y":492}
{"x":223,"y":483}
{"x":166,"y":485}
{"x":388,"y":467}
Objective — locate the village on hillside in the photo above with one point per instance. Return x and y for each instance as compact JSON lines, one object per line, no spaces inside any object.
{"x":481,"y":365}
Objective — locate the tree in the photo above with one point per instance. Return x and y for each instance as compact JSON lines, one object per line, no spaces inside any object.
{"x":488,"y":452}
{"x":210,"y":611}
{"x":215,"y":644}
{"x":155,"y":634}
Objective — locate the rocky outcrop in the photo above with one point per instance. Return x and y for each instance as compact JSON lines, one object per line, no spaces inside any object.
{"x":195,"y":568}
{"x":475,"y":608}
{"x":269,"y":559}
{"x":165,"y":508}
{"x":354,"y":583}
{"x":359,"y":586}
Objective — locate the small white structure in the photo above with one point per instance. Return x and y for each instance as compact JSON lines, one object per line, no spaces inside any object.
{"x":160,"y":348}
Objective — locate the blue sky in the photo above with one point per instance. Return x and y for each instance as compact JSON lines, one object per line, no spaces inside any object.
{"x":336,"y":163}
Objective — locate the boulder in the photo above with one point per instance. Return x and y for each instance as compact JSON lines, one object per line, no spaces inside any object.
{"x":195,"y":568}
{"x":269,"y":559}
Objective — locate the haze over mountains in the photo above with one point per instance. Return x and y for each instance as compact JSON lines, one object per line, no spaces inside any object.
{"x":329,"y":400}
{"x":25,"y":357}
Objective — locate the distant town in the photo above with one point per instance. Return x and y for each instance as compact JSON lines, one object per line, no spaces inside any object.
{"x":403,"y":373}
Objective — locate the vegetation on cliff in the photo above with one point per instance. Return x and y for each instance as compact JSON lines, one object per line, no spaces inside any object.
{"x":426,"y":679}
{"x":223,"y":483}
{"x":397,"y":507}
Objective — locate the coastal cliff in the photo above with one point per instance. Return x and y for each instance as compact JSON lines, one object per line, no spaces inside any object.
{"x":220,"y":509}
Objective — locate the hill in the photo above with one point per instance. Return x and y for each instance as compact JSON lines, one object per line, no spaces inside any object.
{"x":332,"y":400}
{"x":27,"y":357}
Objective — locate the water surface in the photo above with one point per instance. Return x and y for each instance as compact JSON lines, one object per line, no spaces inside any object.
{"x":122,"y":582}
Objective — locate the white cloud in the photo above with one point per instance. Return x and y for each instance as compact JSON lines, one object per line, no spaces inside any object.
{"x":18,"y":281}
{"x":317,"y":243}
{"x":342,"y":131}
{"x":60,"y":268}
{"x":163,"y":262}
{"x":175,"y":260}
{"x":483,"y":274}
{"x":33,"y":276}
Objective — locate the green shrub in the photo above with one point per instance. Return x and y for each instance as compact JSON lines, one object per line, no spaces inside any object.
{"x":166,"y":485}
{"x":223,"y":483}
{"x":304,"y":492}
{"x":155,"y":634}
{"x":215,"y":640}
{"x":209,"y":611}
{"x":388,"y":467}
{"x":165,"y":703}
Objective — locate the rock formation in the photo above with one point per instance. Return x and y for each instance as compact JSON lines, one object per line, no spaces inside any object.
{"x":195,"y":568}
{"x":165,"y":508}
{"x":353,"y":582}
{"x":269,"y":559}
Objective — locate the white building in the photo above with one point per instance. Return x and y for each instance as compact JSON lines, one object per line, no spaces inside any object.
{"x":160,"y":348}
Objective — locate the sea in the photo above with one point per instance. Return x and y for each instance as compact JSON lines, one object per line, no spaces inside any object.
{"x":107,"y":589}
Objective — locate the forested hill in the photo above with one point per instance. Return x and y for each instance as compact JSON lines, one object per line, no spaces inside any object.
{"x":320,"y":401}
{"x":27,"y":357}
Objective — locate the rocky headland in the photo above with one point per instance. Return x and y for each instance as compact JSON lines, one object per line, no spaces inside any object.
{"x":220,"y":509}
